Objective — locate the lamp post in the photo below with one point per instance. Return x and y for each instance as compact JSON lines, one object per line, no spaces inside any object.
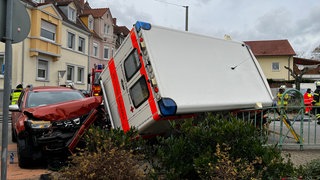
{"x":187,"y":11}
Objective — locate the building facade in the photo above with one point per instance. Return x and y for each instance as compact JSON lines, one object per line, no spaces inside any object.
{"x":67,"y":38}
{"x":273,"y":56}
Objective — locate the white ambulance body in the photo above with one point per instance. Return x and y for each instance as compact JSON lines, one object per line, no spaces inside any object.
{"x":159,"y":74}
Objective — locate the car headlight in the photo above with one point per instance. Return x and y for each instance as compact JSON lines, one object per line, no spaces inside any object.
{"x":39,"y":124}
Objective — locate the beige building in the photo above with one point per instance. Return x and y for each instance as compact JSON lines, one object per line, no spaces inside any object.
{"x":273,"y":56}
{"x":66,"y":39}
{"x":41,"y":50}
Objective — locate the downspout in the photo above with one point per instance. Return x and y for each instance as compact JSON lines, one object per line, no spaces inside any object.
{"x":89,"y":42}
{"x":289,"y":67}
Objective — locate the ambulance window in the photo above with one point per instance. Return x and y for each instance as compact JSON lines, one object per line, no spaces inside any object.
{"x":139,"y":92}
{"x":132,"y":64}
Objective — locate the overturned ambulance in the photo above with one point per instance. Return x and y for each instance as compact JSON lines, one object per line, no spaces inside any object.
{"x":160,"y":74}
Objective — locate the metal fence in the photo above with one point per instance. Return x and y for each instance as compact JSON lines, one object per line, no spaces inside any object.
{"x":287,"y":127}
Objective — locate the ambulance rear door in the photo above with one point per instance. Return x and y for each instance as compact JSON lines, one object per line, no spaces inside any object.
{"x":134,"y":85}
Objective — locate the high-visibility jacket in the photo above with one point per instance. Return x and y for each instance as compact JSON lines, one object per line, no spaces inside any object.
{"x":307,"y":98}
{"x":285,"y":99}
{"x":316,"y":99}
{"x":15,"y":95}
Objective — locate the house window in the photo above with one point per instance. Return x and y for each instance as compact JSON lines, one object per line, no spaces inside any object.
{"x":90,"y":24}
{"x":106,"y":52}
{"x":48,"y":30}
{"x":42,"y":71}
{"x":75,"y":73}
{"x":2,"y":63}
{"x":106,"y":29}
{"x":37,"y":1}
{"x":71,"y":40}
{"x":80,"y":74}
{"x":81,"y":44}
{"x":95,"y":49}
{"x":275,"y":66}
{"x":71,"y":14}
{"x":70,"y":73}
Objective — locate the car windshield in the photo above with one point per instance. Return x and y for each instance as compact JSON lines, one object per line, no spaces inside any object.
{"x":51,"y":97}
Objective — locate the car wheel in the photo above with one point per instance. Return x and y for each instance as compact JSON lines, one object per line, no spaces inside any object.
{"x":24,"y":153}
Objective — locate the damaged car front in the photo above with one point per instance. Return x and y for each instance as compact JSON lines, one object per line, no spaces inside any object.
{"x":51,"y":130}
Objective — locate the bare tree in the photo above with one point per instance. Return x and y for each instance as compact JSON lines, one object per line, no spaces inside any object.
{"x":316,"y":53}
{"x":297,"y":76}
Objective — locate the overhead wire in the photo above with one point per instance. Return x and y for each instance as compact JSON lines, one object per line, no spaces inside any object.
{"x":170,"y":3}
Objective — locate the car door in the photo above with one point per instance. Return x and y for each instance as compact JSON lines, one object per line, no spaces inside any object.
{"x":16,"y":115}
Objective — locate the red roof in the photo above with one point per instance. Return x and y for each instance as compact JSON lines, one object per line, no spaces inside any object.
{"x":98,"y":12}
{"x":271,"y":48}
{"x":121,"y":29}
{"x":312,"y":65}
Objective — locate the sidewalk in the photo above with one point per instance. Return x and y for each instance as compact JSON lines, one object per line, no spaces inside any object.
{"x":301,"y":157}
{"x":14,"y":172}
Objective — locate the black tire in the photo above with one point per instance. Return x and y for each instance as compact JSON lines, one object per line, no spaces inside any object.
{"x":24,"y":153}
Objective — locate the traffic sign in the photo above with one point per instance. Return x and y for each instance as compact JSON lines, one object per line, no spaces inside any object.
{"x":20,"y":21}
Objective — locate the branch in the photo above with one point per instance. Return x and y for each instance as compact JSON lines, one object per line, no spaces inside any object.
{"x":291,"y":72}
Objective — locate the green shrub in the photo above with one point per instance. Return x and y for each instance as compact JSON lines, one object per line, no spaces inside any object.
{"x":310,"y":170}
{"x":224,"y":167}
{"x":107,"y":155}
{"x":187,"y":154}
{"x":211,"y":147}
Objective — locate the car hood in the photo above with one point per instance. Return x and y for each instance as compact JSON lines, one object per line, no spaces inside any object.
{"x":63,"y":111}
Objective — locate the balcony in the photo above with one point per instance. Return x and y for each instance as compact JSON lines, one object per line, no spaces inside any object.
{"x":43,"y":46}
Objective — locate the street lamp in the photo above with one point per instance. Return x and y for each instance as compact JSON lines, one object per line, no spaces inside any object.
{"x":187,"y":9}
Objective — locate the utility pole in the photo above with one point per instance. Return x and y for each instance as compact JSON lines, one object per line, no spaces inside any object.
{"x":14,"y":28}
{"x":187,"y":12}
{"x":7,"y":87}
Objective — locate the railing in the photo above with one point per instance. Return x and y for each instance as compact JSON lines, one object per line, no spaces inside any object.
{"x":286,"y":127}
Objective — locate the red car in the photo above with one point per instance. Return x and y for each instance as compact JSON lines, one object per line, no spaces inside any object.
{"x":49,"y":121}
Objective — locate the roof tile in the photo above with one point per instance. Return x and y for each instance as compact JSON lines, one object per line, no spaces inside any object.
{"x":271,"y":48}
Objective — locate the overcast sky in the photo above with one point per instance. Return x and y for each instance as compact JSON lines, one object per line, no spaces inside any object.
{"x":243,"y":20}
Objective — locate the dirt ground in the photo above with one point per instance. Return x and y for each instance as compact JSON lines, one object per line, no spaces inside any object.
{"x":14,"y":172}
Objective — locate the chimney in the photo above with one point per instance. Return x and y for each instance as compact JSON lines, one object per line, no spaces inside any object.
{"x":115,"y":21}
{"x":81,"y":4}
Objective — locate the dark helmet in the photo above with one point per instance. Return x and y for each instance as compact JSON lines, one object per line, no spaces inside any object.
{"x":309,"y":90}
{"x":19,"y":86}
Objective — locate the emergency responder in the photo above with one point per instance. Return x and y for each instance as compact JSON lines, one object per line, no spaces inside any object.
{"x":316,"y":101}
{"x":285,"y":97}
{"x":16,"y":94}
{"x":308,"y":99}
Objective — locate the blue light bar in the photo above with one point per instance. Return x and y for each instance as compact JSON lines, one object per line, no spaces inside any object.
{"x":167,"y":107}
{"x":100,"y":66}
{"x":143,"y":25}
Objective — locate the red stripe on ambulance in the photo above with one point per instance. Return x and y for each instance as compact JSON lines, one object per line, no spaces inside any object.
{"x":143,"y":71}
{"x":118,"y":95}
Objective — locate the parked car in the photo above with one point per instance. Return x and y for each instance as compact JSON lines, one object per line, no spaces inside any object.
{"x":86,"y":93}
{"x":46,"y":121}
